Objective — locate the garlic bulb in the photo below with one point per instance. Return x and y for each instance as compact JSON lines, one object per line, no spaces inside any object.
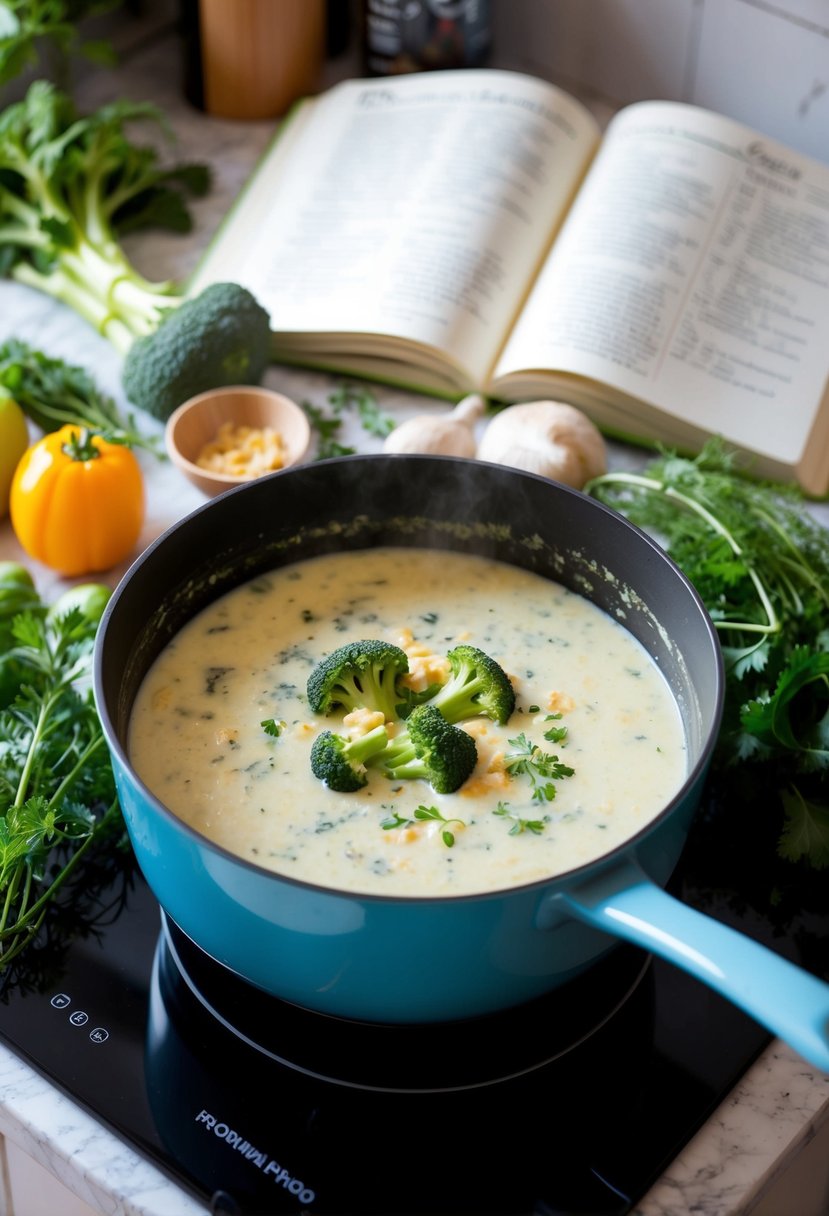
{"x":546,"y":437}
{"x":450,"y":434}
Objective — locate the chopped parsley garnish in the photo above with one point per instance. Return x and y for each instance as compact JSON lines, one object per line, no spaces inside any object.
{"x":542,"y":768}
{"x":555,"y":734}
{"x":519,"y":825}
{"x":424,"y":813}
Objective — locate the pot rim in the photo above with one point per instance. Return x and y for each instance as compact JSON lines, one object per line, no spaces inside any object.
{"x":569,"y":877}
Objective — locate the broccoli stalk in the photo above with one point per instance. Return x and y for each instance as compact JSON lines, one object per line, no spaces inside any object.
{"x":430,"y":749}
{"x":359,"y":675}
{"x":478,"y":686}
{"x":340,"y":761}
{"x":70,"y":186}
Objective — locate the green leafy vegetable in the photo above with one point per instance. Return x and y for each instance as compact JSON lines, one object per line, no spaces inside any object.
{"x":760,"y":562}
{"x":57,"y":792}
{"x":68,"y":185}
{"x":805,"y":830}
{"x":54,"y":393}
{"x":29,"y":26}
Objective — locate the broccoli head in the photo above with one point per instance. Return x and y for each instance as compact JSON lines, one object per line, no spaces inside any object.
{"x":358,"y":675}
{"x":221,"y":336}
{"x":478,"y":686}
{"x":430,"y":749}
{"x":340,"y":761}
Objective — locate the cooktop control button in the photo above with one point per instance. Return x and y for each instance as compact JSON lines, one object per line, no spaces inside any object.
{"x":60,"y":1000}
{"x":99,"y":1035}
{"x":79,"y":1018}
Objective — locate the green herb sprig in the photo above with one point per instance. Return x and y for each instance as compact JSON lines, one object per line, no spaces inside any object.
{"x":327,"y":423}
{"x":519,"y":825}
{"x":327,"y":429}
{"x":349,"y":397}
{"x":542,"y":768}
{"x":420,"y":815}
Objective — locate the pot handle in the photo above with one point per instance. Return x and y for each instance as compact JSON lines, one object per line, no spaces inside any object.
{"x":791,"y":1002}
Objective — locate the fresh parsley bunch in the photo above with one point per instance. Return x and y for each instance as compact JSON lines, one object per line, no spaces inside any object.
{"x":54,"y":393}
{"x":57,"y":792}
{"x":760,"y":562}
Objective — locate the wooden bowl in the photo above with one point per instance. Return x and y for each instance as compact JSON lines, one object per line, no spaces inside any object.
{"x":198,"y":421}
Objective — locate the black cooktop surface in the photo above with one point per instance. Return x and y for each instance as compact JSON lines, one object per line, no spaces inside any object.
{"x":574,"y":1104}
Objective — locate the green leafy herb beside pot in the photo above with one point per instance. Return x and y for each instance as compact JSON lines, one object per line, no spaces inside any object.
{"x":57,"y":793}
{"x":760,"y":562}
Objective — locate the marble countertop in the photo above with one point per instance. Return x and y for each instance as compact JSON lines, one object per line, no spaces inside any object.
{"x":772,"y":1114}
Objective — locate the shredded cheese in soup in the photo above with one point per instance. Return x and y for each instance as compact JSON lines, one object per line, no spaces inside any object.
{"x":222,"y":731}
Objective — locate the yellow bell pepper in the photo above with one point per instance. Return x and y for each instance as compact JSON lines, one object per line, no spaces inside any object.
{"x":14,"y":439}
{"x":77,"y":501}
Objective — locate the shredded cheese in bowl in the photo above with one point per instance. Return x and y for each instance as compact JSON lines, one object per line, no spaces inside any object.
{"x":243,"y":451}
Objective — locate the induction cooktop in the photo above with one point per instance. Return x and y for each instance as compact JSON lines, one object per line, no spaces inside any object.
{"x":571,"y":1105}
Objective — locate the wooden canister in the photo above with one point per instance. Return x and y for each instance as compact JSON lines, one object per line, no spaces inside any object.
{"x":259,"y":56}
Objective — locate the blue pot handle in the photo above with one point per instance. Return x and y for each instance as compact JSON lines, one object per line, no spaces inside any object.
{"x":793,"y":1004}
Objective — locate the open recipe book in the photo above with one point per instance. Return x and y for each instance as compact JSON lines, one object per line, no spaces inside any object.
{"x":475,"y":230}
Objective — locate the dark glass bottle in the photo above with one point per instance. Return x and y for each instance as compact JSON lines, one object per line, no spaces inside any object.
{"x":424,"y":35}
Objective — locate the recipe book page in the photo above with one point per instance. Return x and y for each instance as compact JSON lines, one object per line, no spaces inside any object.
{"x":418,"y":208}
{"x":692,"y":273}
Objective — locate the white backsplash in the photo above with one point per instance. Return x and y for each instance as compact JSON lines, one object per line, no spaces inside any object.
{"x":765,"y":62}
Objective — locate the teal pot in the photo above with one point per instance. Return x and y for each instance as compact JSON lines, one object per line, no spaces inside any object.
{"x":417,"y":960}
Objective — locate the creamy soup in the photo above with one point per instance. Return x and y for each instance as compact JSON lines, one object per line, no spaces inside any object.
{"x":222,"y":730}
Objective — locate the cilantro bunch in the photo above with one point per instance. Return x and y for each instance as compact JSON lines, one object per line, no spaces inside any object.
{"x":760,"y":562}
{"x":57,"y":792}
